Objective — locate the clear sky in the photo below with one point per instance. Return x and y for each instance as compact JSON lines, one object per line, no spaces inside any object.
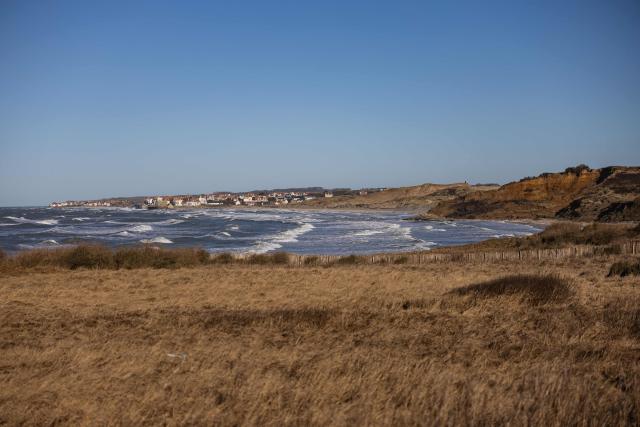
{"x":132,"y":98}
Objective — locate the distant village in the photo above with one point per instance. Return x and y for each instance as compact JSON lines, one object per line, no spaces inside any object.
{"x":270,"y":198}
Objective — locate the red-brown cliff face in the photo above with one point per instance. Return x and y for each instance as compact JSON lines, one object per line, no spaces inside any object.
{"x":577,"y":193}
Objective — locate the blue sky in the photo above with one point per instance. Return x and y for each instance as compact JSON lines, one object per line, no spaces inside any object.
{"x":131,"y":98}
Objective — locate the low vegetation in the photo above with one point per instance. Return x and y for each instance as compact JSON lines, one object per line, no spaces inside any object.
{"x":101,"y":257}
{"x":625,"y":268}
{"x":239,"y":344}
{"x":271,"y":258}
{"x":534,"y":289}
{"x":562,"y":234}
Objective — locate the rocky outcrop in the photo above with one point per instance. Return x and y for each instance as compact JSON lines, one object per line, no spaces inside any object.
{"x":578,"y":193}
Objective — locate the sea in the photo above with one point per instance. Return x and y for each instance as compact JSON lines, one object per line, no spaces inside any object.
{"x":244,"y":230}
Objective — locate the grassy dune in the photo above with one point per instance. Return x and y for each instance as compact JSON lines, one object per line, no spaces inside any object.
{"x":264,"y":344}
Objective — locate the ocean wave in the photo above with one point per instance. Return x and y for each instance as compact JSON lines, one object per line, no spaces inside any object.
{"x":424,"y":245}
{"x":430,"y":228}
{"x":263,"y":247}
{"x":141,"y":228}
{"x":82,"y":218}
{"x":82,"y":230}
{"x":224,"y":233}
{"x":171,"y":221}
{"x":367,"y":233}
{"x":41,"y":245}
{"x":291,"y":236}
{"x":404,"y":232}
{"x":23,"y":220}
{"x":158,"y":239}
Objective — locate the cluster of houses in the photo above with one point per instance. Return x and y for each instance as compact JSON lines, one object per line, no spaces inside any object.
{"x":82,"y":203}
{"x":229,"y":199}
{"x":272,"y":198}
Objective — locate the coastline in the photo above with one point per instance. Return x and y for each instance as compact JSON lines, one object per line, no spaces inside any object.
{"x":334,"y":231}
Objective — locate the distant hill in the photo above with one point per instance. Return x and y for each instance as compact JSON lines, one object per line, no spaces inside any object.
{"x":415,"y":197}
{"x":580,"y":193}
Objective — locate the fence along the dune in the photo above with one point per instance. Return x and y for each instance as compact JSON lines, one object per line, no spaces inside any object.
{"x":626,"y":248}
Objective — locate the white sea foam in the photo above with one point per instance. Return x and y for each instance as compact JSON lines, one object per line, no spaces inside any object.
{"x":224,"y":233}
{"x":430,"y":228}
{"x":234,"y":227}
{"x":141,"y":228}
{"x":291,"y":236}
{"x":171,"y":221}
{"x":404,"y":232}
{"x":158,"y":239}
{"x":368,"y":232}
{"x":425,"y":245}
{"x":263,"y":247}
{"x":23,"y":220}
{"x":82,"y":218}
{"x":49,"y":242}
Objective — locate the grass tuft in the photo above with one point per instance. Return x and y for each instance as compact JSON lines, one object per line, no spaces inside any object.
{"x":625,"y":268}
{"x":534,"y":289}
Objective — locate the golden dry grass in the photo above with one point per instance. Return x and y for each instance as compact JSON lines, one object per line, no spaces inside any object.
{"x":349,"y":344}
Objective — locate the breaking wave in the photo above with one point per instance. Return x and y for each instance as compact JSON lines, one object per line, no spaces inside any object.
{"x":142,"y":228}
{"x":368,"y":233}
{"x":158,"y":239}
{"x":263,"y":247}
{"x":290,"y":236}
{"x":23,"y":220}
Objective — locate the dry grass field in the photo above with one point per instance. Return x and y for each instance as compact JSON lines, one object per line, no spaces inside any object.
{"x":434,"y":344}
